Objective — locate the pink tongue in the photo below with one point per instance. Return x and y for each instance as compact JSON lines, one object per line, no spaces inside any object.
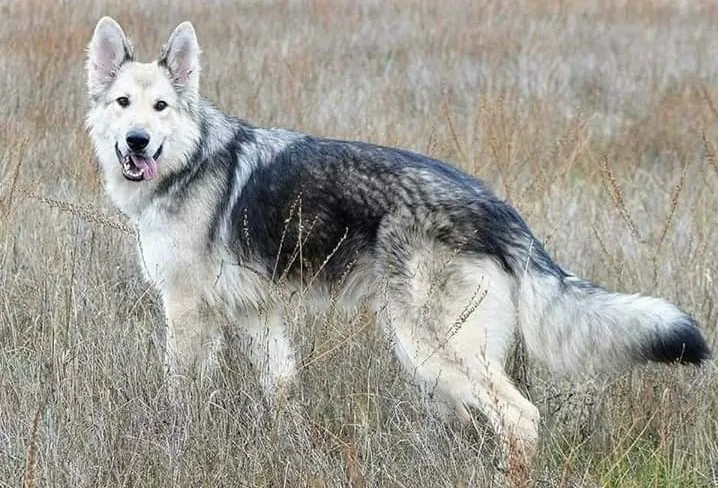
{"x":147,"y":164}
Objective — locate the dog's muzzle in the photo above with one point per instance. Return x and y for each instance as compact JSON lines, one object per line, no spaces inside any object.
{"x":137,"y":165}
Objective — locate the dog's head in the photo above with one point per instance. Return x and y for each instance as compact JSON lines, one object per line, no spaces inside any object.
{"x":140,"y":111}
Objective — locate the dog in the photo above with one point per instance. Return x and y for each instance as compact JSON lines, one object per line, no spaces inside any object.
{"x":232,"y":217}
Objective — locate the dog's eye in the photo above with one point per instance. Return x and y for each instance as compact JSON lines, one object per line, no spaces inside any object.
{"x":123,"y":101}
{"x":160,"y":105}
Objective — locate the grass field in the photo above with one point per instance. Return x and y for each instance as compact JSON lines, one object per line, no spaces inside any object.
{"x":597,"y":120}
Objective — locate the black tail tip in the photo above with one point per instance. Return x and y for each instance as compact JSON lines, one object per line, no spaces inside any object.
{"x":683,"y":344}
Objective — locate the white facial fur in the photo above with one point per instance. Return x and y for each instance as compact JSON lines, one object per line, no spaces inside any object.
{"x":174,"y":80}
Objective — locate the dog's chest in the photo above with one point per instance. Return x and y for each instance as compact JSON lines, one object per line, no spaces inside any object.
{"x":170,"y":249}
{"x":176,"y":255}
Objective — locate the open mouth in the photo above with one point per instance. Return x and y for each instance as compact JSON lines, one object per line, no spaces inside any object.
{"x":138,"y":166}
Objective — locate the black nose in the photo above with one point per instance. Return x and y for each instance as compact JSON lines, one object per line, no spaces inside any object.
{"x":137,"y":139}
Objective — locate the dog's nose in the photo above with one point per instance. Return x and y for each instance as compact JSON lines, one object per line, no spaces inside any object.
{"x":137,"y":139}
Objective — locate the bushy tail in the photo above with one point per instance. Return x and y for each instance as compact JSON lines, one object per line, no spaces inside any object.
{"x":574,"y":324}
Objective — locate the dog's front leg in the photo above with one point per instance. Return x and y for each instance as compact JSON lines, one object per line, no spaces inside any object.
{"x":193,"y":340}
{"x":266,"y":343}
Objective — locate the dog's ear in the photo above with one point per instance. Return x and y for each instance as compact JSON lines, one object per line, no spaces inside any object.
{"x":108,"y":50}
{"x":181,"y":58}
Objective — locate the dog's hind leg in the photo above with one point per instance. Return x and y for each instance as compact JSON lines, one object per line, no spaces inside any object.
{"x":452,"y":318}
{"x":482,"y":294}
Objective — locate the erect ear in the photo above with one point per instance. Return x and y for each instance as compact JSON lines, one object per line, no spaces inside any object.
{"x":181,"y":57}
{"x":108,"y":50}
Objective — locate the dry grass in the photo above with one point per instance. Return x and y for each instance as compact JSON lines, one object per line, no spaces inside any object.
{"x":596,"y":119}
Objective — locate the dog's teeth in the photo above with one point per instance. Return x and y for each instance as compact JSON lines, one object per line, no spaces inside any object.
{"x":129,"y":169}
